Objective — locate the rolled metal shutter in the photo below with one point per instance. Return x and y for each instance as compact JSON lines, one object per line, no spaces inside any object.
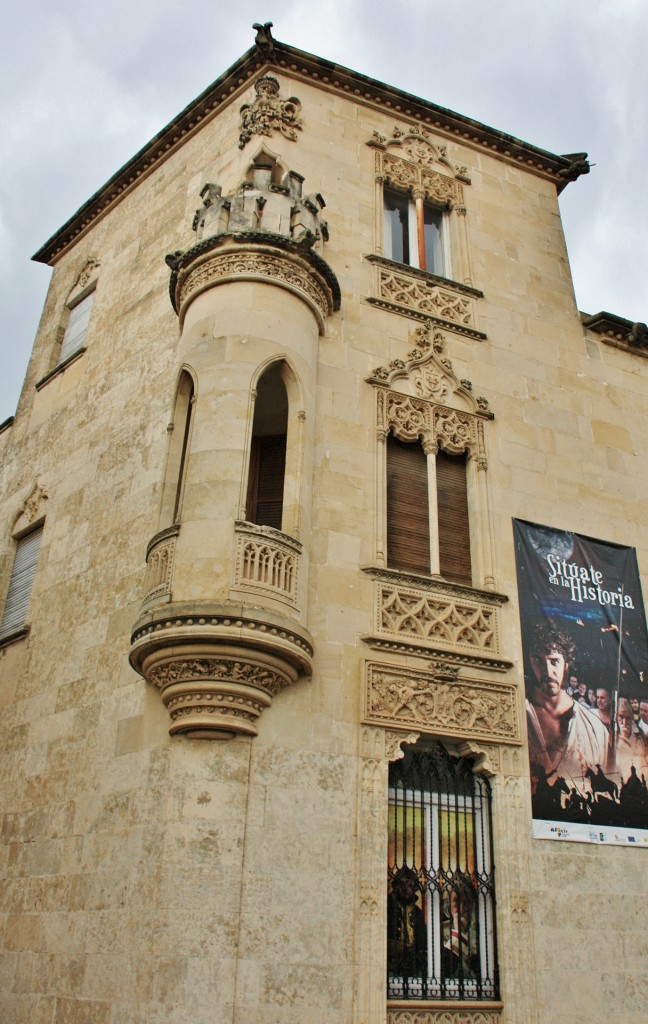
{"x":20,"y":585}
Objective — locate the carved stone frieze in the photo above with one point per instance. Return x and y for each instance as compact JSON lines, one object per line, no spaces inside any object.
{"x":247,"y":260}
{"x":398,"y":1016}
{"x":269,"y":113}
{"x":417,"y":698}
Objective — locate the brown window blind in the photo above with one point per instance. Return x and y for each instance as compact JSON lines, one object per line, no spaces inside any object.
{"x":408,"y":518}
{"x":454,"y":533}
{"x":266,"y":481}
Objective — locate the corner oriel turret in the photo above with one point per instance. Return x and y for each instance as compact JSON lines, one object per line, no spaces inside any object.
{"x":222,"y":628}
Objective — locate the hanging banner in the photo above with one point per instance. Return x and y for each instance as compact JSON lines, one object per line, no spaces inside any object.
{"x":586,"y":676}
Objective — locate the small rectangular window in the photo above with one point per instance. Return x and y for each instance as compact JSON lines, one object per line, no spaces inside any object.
{"x":21,"y":582}
{"x":77,"y":326}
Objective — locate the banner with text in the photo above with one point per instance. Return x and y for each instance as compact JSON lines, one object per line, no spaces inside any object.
{"x":586,"y":675}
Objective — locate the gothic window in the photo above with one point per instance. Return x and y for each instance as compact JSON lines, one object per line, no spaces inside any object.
{"x":408,"y":512}
{"x":414,"y":232}
{"x":267,"y":470}
{"x":176,"y":468}
{"x":410,"y":526}
{"x":14,"y":617}
{"x":433,"y":512}
{"x":452,"y":512}
{"x":441,"y":942}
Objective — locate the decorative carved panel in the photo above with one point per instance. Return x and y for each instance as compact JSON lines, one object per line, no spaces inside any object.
{"x":159,"y":566}
{"x":266,"y":562}
{"x":426,"y":372}
{"x":432,"y":701}
{"x":437,"y":619}
{"x":396,"y":1016}
{"x":413,"y":291}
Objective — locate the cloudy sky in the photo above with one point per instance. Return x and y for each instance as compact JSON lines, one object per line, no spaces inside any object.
{"x":85,"y":85}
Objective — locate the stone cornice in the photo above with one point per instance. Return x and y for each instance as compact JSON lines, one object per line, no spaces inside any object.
{"x":249,"y":255}
{"x":618,"y":332}
{"x":301,"y":66}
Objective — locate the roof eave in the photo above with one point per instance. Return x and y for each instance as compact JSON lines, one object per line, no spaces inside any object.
{"x":299,"y":64}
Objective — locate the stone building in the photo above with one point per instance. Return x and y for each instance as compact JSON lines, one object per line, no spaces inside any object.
{"x":264,"y":754}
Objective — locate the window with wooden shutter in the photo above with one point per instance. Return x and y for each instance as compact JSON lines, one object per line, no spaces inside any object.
{"x":454,"y":531}
{"x":267,"y":470}
{"x":265,"y":491}
{"x":77,"y":327}
{"x":408,"y":515}
{"x":21,"y":582}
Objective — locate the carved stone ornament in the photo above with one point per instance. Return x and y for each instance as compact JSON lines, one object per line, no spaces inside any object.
{"x":303,"y":274}
{"x":402,"y":288}
{"x":268,"y":113}
{"x":215,"y":668}
{"x":85,"y":281}
{"x":436,"y":426}
{"x":32,"y":511}
{"x":438,"y":619}
{"x":427,"y":373}
{"x":424,"y":699}
{"x":160,"y":556}
{"x":397,"y":1016}
{"x":410,"y":161}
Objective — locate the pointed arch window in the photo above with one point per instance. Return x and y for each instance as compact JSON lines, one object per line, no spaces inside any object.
{"x":266,"y":477}
{"x":176,"y":468}
{"x":441,"y":939}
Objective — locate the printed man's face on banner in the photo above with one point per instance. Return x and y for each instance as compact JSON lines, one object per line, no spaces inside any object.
{"x":549,"y":670}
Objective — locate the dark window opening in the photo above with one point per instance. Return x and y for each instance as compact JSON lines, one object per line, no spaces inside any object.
{"x":265,"y":494}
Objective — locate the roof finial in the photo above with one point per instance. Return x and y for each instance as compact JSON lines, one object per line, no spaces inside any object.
{"x":264,"y":41}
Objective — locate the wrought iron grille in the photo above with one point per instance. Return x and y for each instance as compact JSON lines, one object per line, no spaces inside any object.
{"x":441,"y":941}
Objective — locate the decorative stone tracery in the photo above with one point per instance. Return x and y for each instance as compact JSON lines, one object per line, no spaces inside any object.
{"x":410,"y":290}
{"x":266,"y":562}
{"x":408,"y":161}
